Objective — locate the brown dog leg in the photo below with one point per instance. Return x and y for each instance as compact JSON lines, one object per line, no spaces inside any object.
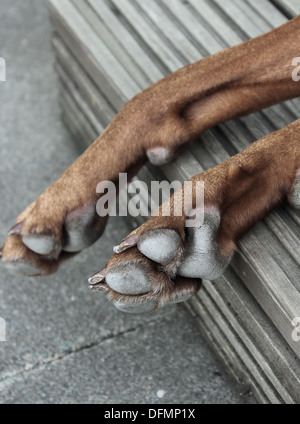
{"x":163,"y":259}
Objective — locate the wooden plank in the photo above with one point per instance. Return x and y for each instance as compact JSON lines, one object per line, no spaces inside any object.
{"x":111,"y":21}
{"x":82,"y":125}
{"x":72,"y":117}
{"x":265,"y":344}
{"x":85,"y":86}
{"x":77,"y":99}
{"x":211,"y":332}
{"x":290,"y":7}
{"x":268,"y":12}
{"x":258,"y":347}
{"x":233,"y":338}
{"x":109,"y":40}
{"x":69,"y":21}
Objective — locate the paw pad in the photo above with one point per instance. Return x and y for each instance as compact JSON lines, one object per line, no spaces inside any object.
{"x":128,"y":279}
{"x":160,"y":245}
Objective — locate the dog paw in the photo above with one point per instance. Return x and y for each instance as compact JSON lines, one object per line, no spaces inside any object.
{"x":162,"y":262}
{"x":136,"y":284}
{"x":49,"y":231}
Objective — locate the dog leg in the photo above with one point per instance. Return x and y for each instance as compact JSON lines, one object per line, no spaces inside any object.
{"x":164,"y":261}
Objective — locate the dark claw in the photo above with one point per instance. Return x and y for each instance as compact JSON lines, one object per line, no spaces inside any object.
{"x":99,"y":287}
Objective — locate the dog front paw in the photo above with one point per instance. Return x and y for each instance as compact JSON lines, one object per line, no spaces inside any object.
{"x":136,"y":284}
{"x":163,"y":262}
{"x":51,"y":229}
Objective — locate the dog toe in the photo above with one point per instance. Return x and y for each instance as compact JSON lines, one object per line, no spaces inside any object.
{"x":53,"y":236}
{"x":202,"y":257}
{"x":18,"y":259}
{"x":80,"y":230}
{"x":160,"y":245}
{"x":40,"y":244}
{"x":128,"y":279}
{"x":128,"y":273}
{"x":135,"y":284}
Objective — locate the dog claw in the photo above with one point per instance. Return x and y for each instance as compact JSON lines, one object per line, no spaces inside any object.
{"x":97,"y":278}
{"x":98,"y":287}
{"x":127,"y":243}
{"x":16,"y":229}
{"x":97,"y":282}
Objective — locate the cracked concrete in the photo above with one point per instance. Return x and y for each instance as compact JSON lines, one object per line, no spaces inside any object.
{"x":128,"y":369}
{"x":5,"y":377}
{"x":64,"y":343}
{"x":59,"y":356}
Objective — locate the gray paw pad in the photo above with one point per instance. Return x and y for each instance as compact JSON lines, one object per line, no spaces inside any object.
{"x":202,"y":258}
{"x":79,"y":231}
{"x":130,"y":279}
{"x":21,"y":268}
{"x":160,"y":245}
{"x":136,"y":307}
{"x":40,"y":244}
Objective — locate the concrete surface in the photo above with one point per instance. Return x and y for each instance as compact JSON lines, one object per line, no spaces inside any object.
{"x":64,"y":343}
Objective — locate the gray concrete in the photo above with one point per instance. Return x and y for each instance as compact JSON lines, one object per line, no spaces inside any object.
{"x":64,"y":343}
